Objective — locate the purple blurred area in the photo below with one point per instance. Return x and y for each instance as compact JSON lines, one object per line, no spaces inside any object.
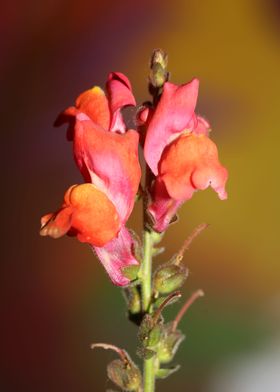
{"x":56,"y":297}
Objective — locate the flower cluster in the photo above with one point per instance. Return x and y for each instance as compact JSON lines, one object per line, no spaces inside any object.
{"x":177,"y":149}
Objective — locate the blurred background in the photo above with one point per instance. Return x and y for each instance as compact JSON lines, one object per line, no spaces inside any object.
{"x":56,"y":296}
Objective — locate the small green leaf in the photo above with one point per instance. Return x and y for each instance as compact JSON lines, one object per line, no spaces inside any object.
{"x":164,"y":373}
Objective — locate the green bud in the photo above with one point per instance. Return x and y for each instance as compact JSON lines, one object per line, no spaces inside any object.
{"x":133,"y":299}
{"x":169,"y":345}
{"x":159,"y":57}
{"x":149,"y":332}
{"x":158,"y":74}
{"x":169,"y":277}
{"x":127,"y":376}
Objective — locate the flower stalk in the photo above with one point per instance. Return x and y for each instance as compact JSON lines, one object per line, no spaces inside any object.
{"x":180,"y":159}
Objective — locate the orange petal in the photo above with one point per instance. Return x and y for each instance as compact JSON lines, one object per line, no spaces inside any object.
{"x":88,"y":213}
{"x":94,"y":104}
{"x":95,"y":217}
{"x":190,"y":163}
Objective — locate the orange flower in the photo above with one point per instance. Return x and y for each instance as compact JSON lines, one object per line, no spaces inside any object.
{"x":180,"y":153}
{"x":106,"y":154}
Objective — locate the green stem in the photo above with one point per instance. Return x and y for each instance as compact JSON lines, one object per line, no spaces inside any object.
{"x":158,"y":76}
{"x":149,"y":365}
{"x":149,"y":375}
{"x":147,"y":271}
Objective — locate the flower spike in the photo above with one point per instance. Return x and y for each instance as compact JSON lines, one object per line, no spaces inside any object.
{"x":106,"y":154}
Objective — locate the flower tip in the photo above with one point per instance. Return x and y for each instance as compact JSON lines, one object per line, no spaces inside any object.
{"x":195,"y":82}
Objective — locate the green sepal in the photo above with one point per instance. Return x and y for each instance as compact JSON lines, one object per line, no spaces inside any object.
{"x":169,"y":344}
{"x":158,"y":251}
{"x":127,"y":376}
{"x":164,"y":373}
{"x":149,"y":332}
{"x":131,"y":272}
{"x":133,"y":299}
{"x":154,"y":336}
{"x":145,"y":328}
{"x":156,"y":237}
{"x":145,"y":353}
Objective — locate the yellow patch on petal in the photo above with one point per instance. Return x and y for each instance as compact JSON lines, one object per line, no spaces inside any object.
{"x":94,"y":104}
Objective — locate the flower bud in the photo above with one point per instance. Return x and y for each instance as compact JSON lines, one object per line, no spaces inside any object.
{"x":133,"y":299}
{"x":127,"y":376}
{"x":160,"y":57}
{"x":149,"y":332}
{"x":169,"y":277}
{"x":158,"y":74}
{"x":169,"y":345}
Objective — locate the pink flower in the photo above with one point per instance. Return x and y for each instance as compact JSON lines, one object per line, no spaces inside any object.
{"x":107,"y":155}
{"x":180,"y":153}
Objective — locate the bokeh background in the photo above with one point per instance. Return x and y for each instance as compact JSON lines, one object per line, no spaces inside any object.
{"x":56,"y":297}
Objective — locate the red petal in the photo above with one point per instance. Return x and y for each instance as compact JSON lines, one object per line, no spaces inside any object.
{"x":111,"y":161}
{"x":171,"y":117}
{"x":163,"y":208}
{"x":120,"y":95}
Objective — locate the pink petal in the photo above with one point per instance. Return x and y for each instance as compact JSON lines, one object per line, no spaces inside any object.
{"x":120,"y":95}
{"x":171,"y":117}
{"x":162,"y":208}
{"x":116,"y":255}
{"x":111,"y":162}
{"x":202,"y":126}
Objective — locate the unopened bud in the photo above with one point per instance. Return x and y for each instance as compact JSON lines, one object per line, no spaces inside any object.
{"x":159,"y":57}
{"x":133,"y":299}
{"x":149,"y":332}
{"x":158,"y":74}
{"x":127,"y":376}
{"x":169,"y":345}
{"x":169,"y":278}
